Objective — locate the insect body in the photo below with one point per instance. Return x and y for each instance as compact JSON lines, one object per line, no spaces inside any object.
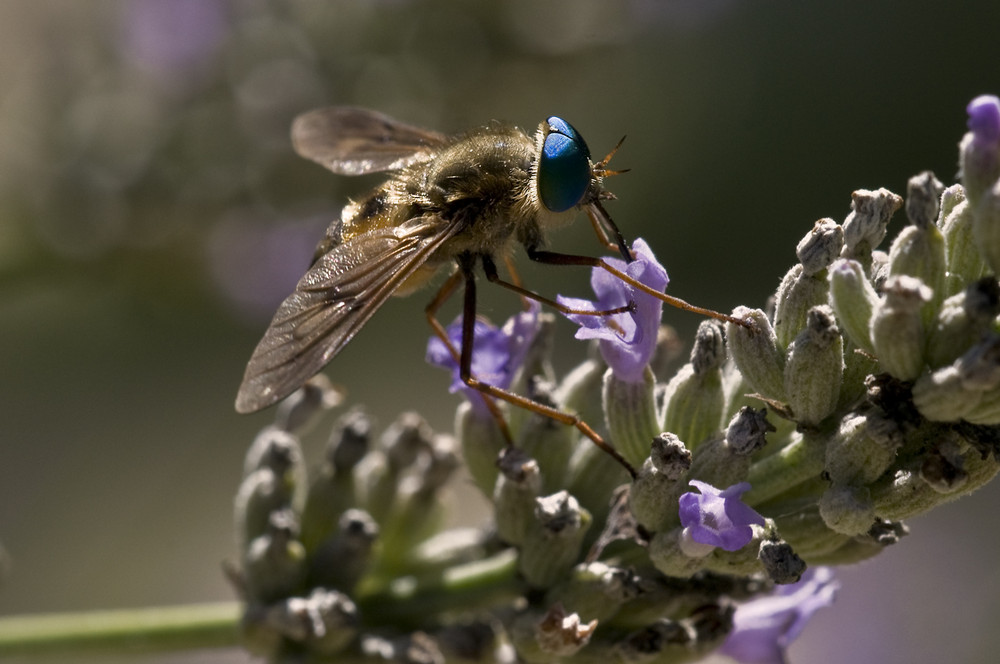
{"x":467,"y":199}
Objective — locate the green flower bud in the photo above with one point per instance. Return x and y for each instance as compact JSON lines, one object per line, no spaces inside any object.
{"x":261,"y":493}
{"x":897,"y":327}
{"x":595,"y":590}
{"x":847,"y":509}
{"x":540,"y":638}
{"x":980,"y":166}
{"x":986,"y":227}
{"x":518,"y":485}
{"x":941,"y":397}
{"x":324,"y":623}
{"x":865,"y":226}
{"x":962,"y":321}
{"x":343,"y":558}
{"x":401,"y":445}
{"x":630,"y":409}
{"x":854,"y":300}
{"x":552,"y":544}
{"x":980,"y":366}
{"x":580,"y":391}
{"x":653,"y":495}
{"x":756,"y":353}
{"x":274,"y":563}
{"x":863,"y":449}
{"x":694,"y":399}
{"x":280,"y":452}
{"x":986,"y":410}
{"x":333,"y":488}
{"x":481,"y":441}
{"x":918,"y":251}
{"x":965,"y":262}
{"x":593,"y":476}
{"x":303,"y":408}
{"x":814,"y":369}
{"x":669,"y":555}
{"x":718,"y":463}
{"x":799,"y":461}
{"x":798,"y":293}
{"x":548,"y":442}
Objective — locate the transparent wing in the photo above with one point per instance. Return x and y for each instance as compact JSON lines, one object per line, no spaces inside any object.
{"x":354,"y":141}
{"x":331,"y":302}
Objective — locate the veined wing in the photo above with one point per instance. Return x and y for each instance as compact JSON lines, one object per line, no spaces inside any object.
{"x":353,"y":141}
{"x":331,"y":302}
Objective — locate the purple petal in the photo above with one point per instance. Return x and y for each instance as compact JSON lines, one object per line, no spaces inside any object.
{"x":984,"y":119}
{"x":764,"y":628}
{"x":718,"y":518}
{"x":628,"y":340}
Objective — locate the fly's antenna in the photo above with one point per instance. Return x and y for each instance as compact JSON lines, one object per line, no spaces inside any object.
{"x":600,"y":168}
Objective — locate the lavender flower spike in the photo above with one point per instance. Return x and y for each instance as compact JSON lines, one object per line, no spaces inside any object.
{"x":497,"y":352}
{"x":627,"y":340}
{"x":764,"y":628}
{"x":718,"y":518}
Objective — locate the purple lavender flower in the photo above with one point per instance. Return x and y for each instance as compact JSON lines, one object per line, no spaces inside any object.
{"x":718,"y":518}
{"x":984,"y":120}
{"x":627,"y":340}
{"x":980,"y":147}
{"x":174,"y":35}
{"x":764,"y":628}
{"x":497,"y":352}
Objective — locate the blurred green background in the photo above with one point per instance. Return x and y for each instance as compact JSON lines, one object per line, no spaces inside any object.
{"x":152,"y":215}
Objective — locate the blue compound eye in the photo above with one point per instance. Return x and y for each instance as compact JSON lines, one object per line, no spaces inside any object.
{"x":563,"y":167}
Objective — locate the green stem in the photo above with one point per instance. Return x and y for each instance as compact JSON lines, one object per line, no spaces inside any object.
{"x":154,"y":629}
{"x":408,"y":601}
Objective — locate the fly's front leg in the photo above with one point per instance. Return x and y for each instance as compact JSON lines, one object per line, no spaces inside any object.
{"x":465,"y":372}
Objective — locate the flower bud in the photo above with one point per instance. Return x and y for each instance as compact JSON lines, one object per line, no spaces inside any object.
{"x":980,"y":148}
{"x":918,"y":250}
{"x":897,"y":327}
{"x":552,"y":544}
{"x":782,"y":564}
{"x":747,"y":429}
{"x":300,"y":411}
{"x":814,"y":369}
{"x":863,"y":449}
{"x":854,"y":300}
{"x":941,"y":397}
{"x":261,"y":493}
{"x":652,"y":498}
{"x":274,"y":563}
{"x":965,"y":262}
{"x":324,"y":623}
{"x":550,"y":636}
{"x":630,"y":409}
{"x":333,"y":488}
{"x":962,"y":321}
{"x":798,"y":293}
{"x":548,"y":442}
{"x":864,"y":227}
{"x":342,"y":560}
{"x":481,"y":441}
{"x":756,"y":353}
{"x":986,"y":227}
{"x":280,"y":452}
{"x":986,"y":410}
{"x":847,"y":509}
{"x":595,"y":590}
{"x":694,"y":398}
{"x":518,"y":485}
